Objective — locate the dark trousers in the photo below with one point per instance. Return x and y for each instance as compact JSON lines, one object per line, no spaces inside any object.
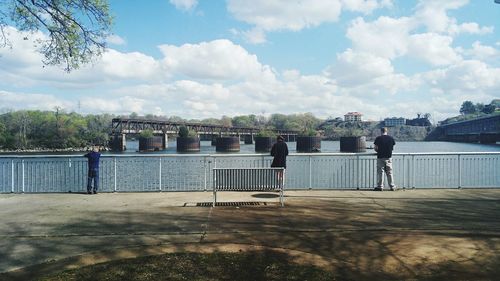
{"x":93,"y":176}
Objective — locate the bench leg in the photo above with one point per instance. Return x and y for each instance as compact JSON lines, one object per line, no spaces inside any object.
{"x":214,"y":201}
{"x":282,"y":200}
{"x":282,"y":189}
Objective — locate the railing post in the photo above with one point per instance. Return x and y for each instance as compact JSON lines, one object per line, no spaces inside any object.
{"x":22,"y":165}
{"x":459,"y":172}
{"x":413,"y":171}
{"x":404,"y":178}
{"x":357,"y":172}
{"x":310,"y":172}
{"x":12,"y":179}
{"x":114,"y":161}
{"x":160,"y":175}
{"x":205,"y":172}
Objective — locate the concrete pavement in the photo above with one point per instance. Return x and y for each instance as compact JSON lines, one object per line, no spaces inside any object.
{"x":401,"y":235}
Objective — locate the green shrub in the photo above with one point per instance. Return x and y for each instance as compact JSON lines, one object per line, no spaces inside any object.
{"x":354,"y":132}
{"x":309,"y":133}
{"x":148,"y":133}
{"x":265,"y":133}
{"x":184,"y":132}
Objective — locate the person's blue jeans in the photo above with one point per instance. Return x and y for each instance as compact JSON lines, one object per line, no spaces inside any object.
{"x":93,"y":176}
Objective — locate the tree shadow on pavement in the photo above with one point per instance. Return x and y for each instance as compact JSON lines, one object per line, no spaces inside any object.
{"x":358,"y":239}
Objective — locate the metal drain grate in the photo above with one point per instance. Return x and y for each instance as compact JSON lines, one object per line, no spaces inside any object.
{"x":229,"y":204}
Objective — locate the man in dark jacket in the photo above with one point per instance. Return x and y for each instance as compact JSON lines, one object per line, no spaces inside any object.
{"x":383,"y":146}
{"x":279,"y":151}
{"x":93,"y":173}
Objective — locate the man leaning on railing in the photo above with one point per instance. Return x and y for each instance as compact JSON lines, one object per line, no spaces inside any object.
{"x":93,"y":173}
{"x":279,"y":151}
{"x":383,"y":145}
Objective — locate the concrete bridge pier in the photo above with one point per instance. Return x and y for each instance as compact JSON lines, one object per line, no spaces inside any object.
{"x":486,"y":138}
{"x":119,"y":142}
{"x":470,"y":138}
{"x":165,"y":141}
{"x":214,"y":139}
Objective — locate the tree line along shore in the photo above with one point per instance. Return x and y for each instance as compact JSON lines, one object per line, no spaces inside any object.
{"x":34,"y":130}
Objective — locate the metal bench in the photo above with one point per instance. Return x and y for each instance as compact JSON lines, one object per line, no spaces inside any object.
{"x":248,"y":179}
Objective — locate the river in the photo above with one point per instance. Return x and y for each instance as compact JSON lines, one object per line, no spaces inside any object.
{"x":334,"y":147}
{"x":326,"y":147}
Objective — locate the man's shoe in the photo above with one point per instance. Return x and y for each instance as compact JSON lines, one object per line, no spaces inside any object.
{"x":393,"y":188}
{"x":95,"y":192}
{"x":378,"y":189}
{"x":88,"y":192}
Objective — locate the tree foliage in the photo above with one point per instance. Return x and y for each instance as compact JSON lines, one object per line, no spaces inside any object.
{"x":298,"y":122}
{"x":245,"y":121}
{"x":489,"y":108}
{"x":76,"y":29}
{"x":467,"y":108}
{"x":52,"y":130}
{"x":58,"y":129}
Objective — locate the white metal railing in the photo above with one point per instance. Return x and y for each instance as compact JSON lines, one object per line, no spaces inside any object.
{"x":183,"y":172}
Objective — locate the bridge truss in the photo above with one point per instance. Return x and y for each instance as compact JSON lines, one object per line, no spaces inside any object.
{"x":135,"y":126}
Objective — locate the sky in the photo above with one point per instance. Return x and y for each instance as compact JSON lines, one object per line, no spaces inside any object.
{"x":202,"y":59}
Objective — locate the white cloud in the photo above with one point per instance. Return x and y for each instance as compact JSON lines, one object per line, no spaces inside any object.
{"x":482,"y":52}
{"x":217,"y":60}
{"x":365,"y":6}
{"x":434,"y":15}
{"x":276,"y":15}
{"x":354,"y":68}
{"x":22,"y":51}
{"x":470,"y":27}
{"x":285,"y":15}
{"x":255,"y":36}
{"x":385,"y":37}
{"x":115,"y":39}
{"x":468,"y":77}
{"x":397,"y":37}
{"x":184,"y":5}
{"x":20,"y":101}
{"x":433,"y":48}
{"x":220,"y":77}
{"x":22,"y":64}
{"x":132,"y":65}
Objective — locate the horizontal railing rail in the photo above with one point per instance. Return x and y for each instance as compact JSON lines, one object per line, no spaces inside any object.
{"x":192,"y":172}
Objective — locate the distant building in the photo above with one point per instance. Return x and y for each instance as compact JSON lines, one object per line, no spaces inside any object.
{"x":353,"y":117}
{"x":394,"y":121}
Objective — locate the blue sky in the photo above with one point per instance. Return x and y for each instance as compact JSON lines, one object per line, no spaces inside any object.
{"x":209,"y":58}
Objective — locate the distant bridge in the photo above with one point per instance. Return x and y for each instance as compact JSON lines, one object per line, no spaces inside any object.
{"x":483,"y":130}
{"x":120,"y":127}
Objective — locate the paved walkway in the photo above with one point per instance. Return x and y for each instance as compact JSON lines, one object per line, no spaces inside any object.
{"x":393,"y":235}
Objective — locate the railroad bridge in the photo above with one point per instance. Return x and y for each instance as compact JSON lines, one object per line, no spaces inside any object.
{"x":121,"y":127}
{"x":483,"y":130}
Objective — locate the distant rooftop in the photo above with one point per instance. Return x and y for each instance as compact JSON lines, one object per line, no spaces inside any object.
{"x":354,"y":113}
